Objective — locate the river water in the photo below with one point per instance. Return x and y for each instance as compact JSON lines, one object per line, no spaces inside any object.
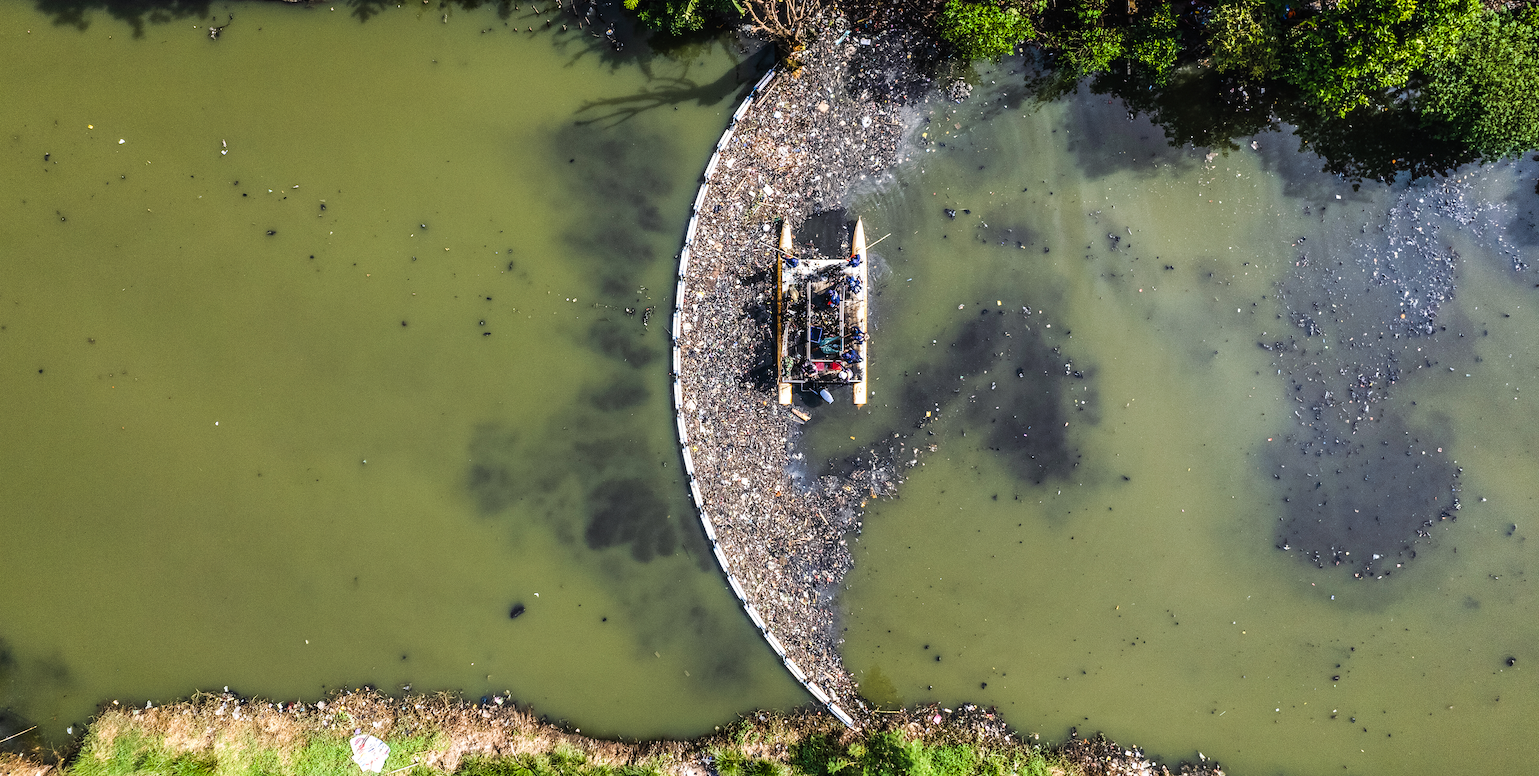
{"x":1168,"y":391}
{"x":316,"y":364}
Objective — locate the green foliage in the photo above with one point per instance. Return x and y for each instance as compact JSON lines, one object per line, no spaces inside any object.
{"x":1084,"y":46}
{"x":1245,"y":38}
{"x":1483,"y":89}
{"x":1347,"y":56}
{"x":893,"y":754}
{"x":1154,"y":42}
{"x":677,"y":17}
{"x":564,"y":761}
{"x":131,"y":753}
{"x":729,"y":761}
{"x":1088,"y":51}
{"x":986,"y":30}
{"x":889,"y":754}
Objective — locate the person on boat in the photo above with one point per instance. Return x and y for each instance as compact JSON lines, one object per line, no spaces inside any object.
{"x":855,"y":260}
{"x":854,"y":284}
{"x":857,"y":334}
{"x":852,"y":355}
{"x":833,"y":297}
{"x":791,"y":261}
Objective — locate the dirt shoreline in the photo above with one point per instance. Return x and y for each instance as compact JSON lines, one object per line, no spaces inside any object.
{"x":223,"y":732}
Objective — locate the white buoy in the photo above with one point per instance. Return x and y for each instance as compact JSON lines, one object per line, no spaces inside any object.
{"x":828,"y":397}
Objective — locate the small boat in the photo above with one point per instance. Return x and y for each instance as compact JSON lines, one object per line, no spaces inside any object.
{"x":820,"y":320}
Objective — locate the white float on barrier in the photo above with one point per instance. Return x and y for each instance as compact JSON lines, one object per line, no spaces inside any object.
{"x":834,"y":709}
{"x":685,"y":257}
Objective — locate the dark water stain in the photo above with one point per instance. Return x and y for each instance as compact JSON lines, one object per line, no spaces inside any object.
{"x":611,"y":112}
{"x":1365,"y":322}
{"x":490,"y":477}
{"x":1205,"y":109}
{"x":1000,"y":379}
{"x":1194,"y":108}
{"x":1107,"y":136}
{"x":16,"y":737}
{"x":626,"y":340}
{"x":31,"y":677}
{"x":134,"y":13}
{"x":622,"y":178}
{"x":828,"y":232}
{"x":630,"y":511}
{"x":623,"y":392}
{"x":622,"y":501}
{"x":1364,"y":501}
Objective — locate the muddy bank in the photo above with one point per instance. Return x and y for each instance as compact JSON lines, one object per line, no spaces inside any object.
{"x":441,"y":734}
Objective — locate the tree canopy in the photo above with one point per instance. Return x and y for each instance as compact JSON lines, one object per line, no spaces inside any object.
{"x":1454,"y":73}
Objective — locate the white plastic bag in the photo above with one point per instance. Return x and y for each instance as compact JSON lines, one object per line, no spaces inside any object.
{"x":370,"y":753}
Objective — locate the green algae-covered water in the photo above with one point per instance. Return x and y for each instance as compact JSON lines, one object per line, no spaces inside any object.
{"x":316,"y":363}
{"x":1141,"y":489}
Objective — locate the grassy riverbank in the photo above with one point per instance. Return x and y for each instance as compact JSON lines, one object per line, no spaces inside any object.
{"x":224,"y":734}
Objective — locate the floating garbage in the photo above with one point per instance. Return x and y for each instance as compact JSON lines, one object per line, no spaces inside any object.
{"x":370,"y":753}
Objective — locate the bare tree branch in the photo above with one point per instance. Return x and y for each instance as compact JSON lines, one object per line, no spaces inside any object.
{"x":782,"y":20}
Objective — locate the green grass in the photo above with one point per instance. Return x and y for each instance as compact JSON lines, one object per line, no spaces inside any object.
{"x":892,"y":754}
{"x":131,"y":753}
{"x":197,"y":739}
{"x":563,"y":761}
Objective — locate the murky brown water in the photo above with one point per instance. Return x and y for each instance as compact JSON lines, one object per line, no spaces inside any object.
{"x":1119,"y":526}
{"x":316,"y":364}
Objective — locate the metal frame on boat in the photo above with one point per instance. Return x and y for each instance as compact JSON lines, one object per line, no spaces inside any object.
{"x":821,"y":319}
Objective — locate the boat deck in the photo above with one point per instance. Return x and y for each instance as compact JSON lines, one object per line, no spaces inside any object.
{"x":821,"y":330}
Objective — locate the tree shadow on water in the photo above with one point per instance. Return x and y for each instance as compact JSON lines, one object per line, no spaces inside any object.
{"x":1206,"y":109}
{"x":134,"y":13}
{"x":613,"y":111}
